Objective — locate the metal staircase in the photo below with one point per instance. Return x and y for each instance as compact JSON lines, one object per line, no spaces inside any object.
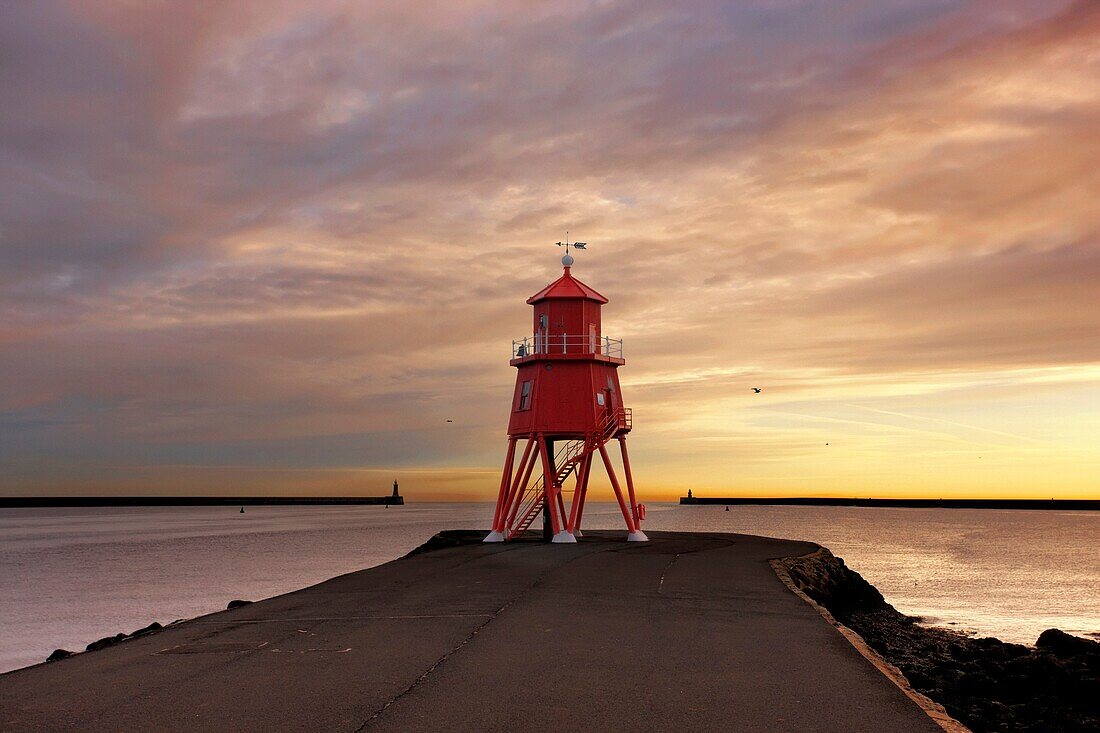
{"x":568,"y":459}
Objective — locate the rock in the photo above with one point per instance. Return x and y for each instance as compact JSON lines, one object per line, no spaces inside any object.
{"x":825,"y":578}
{"x":105,"y":642}
{"x":112,"y":640}
{"x":59,"y":654}
{"x":985,"y":683}
{"x":449,"y":538}
{"x":236,"y":604}
{"x":148,"y":629}
{"x":1066,"y":645}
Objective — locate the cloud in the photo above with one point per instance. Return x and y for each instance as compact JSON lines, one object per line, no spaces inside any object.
{"x":257,"y":235}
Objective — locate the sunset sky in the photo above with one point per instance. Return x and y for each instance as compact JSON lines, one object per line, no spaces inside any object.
{"x":271,"y":247}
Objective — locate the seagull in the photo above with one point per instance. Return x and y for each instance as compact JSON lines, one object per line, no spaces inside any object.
{"x":450,"y":421}
{"x":756,"y":390}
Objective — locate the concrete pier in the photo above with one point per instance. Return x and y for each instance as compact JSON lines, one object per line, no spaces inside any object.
{"x":685,"y":632}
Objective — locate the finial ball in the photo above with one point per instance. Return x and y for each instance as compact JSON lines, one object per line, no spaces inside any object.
{"x":567,"y":260}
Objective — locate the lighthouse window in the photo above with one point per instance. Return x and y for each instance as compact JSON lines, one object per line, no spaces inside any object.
{"x":599,"y":398}
{"x":524,"y":396}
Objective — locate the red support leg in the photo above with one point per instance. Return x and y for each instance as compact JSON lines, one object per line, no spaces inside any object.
{"x":561,"y":507}
{"x":505,"y":485}
{"x":629,"y":480}
{"x":584,"y":492}
{"x":510,"y":495}
{"x":637,"y":535}
{"x":520,"y":485}
{"x":618,"y":492}
{"x":548,"y":485}
{"x":575,"y":505}
{"x":553,"y":496}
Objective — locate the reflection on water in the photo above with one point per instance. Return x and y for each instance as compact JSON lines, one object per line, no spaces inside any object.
{"x":1003,"y":573}
{"x":70,"y":576}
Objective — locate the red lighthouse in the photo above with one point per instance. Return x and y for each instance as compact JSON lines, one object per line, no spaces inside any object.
{"x":567,"y":407}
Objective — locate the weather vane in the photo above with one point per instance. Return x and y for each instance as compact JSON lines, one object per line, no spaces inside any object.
{"x":574,"y":245}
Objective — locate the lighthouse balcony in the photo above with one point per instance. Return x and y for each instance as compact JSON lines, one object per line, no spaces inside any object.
{"x":567,"y":346}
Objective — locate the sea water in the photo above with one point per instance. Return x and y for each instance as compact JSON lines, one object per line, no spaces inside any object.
{"x":71,"y":576}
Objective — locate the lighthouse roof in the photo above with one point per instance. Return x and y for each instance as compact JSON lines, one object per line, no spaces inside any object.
{"x":566,"y":286}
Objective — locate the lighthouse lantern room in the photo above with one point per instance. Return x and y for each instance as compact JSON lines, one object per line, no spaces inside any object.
{"x":566,"y":408}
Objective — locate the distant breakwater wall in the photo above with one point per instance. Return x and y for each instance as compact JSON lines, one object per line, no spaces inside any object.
{"x":1060,"y":504}
{"x":987,"y":684}
{"x":117,"y":501}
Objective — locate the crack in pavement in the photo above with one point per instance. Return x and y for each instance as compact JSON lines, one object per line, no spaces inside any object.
{"x":439,"y":662}
{"x":661,"y":580}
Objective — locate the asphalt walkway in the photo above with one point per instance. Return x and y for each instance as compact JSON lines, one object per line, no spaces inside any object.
{"x":687,"y":632}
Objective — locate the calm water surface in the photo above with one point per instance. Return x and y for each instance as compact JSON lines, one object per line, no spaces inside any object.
{"x":70,"y":576}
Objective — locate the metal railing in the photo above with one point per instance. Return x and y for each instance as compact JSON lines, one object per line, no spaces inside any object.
{"x":542,"y":343}
{"x":621,"y":419}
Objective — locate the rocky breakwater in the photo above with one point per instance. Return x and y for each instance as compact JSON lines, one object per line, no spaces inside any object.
{"x":106,"y":641}
{"x":985,"y":683}
{"x":122,"y":636}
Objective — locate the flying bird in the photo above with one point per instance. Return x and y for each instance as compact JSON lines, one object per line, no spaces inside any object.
{"x":756,"y":390}
{"x":450,"y":421}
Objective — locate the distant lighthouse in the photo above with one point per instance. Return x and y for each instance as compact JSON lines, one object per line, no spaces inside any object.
{"x":567,"y":407}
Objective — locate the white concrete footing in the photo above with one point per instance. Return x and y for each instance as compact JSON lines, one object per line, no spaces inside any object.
{"x":494,"y":537}
{"x":638,"y":536}
{"x":563,"y":537}
{"x":578,"y":534}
